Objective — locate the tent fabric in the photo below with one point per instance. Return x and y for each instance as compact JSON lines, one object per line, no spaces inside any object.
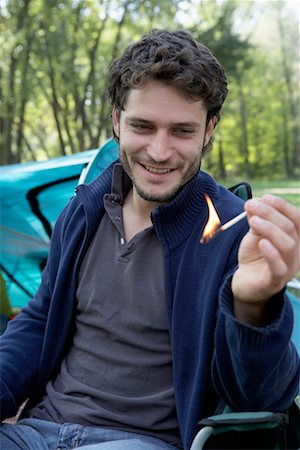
{"x":31,"y":198}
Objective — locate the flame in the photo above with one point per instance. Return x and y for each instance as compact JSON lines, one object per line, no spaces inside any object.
{"x":212,"y":223}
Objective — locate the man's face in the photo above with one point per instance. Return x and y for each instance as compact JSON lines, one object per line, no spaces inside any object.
{"x":161,"y":135}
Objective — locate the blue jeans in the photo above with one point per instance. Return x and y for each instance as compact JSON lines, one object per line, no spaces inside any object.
{"x":36,"y":434}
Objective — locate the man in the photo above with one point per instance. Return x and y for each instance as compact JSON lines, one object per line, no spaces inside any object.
{"x":137,"y":330}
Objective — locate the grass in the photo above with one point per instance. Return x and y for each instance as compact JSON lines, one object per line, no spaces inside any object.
{"x":287,"y":189}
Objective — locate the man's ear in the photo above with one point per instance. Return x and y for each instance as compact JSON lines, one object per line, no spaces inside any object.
{"x":115,"y":116}
{"x":209,"y":130}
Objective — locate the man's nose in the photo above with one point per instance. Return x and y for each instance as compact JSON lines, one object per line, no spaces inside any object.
{"x":159,"y":149}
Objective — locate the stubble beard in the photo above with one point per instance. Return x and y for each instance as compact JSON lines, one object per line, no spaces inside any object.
{"x":159,"y":198}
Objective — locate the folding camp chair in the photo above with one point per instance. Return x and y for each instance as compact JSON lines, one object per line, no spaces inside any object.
{"x":250,"y":430}
{"x":258,"y":422}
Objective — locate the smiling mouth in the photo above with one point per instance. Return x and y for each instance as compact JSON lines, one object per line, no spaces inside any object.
{"x":157,"y":171}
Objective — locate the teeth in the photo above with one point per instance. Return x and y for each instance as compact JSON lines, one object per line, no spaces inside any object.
{"x":158,"y":171}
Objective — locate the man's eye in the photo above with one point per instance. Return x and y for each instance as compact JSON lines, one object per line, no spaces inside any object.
{"x":141,"y":126}
{"x":183,"y":131}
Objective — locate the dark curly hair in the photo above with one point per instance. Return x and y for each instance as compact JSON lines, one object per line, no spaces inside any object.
{"x":176,"y":59}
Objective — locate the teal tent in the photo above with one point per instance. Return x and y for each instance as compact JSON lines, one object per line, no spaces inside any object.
{"x":31,"y":198}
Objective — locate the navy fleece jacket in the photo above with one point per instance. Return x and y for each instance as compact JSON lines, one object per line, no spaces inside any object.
{"x":215,"y":357}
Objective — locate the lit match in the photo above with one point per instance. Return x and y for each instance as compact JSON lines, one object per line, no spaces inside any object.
{"x":213,"y":227}
{"x":231,"y":222}
{"x":224,"y":227}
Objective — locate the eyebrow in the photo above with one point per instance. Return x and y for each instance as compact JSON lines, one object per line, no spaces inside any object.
{"x":175,"y":124}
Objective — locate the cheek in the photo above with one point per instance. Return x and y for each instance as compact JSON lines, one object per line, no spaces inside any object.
{"x":191,"y":156}
{"x":132,"y":144}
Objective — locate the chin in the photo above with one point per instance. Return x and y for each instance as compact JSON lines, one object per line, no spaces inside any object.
{"x":163,"y":197}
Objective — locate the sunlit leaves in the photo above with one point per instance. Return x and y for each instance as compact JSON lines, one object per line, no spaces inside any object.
{"x":55,"y":56}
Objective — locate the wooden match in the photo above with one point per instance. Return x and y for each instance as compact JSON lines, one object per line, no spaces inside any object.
{"x":232,"y":222}
{"x":224,"y":227}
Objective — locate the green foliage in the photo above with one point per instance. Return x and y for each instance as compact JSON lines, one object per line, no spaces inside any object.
{"x":285,"y":188}
{"x":56,"y":55}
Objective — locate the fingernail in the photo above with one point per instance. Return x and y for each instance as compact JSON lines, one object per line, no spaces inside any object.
{"x":254,"y":204}
{"x":270,"y":198}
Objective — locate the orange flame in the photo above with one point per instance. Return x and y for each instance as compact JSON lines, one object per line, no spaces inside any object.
{"x":212,"y":223}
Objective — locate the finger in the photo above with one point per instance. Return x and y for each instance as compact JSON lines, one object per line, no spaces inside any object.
{"x":292,"y":225}
{"x":284,"y":207}
{"x":285,"y":244}
{"x":270,"y":213}
{"x":279,"y":270}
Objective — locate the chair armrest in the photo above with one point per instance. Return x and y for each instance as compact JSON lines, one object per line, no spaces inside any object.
{"x":237,"y":421}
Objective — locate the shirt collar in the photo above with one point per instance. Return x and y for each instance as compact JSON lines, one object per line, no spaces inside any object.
{"x":121,"y":183}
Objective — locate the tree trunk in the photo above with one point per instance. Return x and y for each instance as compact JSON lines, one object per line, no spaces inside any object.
{"x":289,"y":169}
{"x":6,"y":141}
{"x":68,"y":130}
{"x":291,"y":94}
{"x":101,"y":120}
{"x":222,"y":170}
{"x":244,"y":130}
{"x":54,"y":98}
{"x":24,"y":98}
{"x":85,"y":125}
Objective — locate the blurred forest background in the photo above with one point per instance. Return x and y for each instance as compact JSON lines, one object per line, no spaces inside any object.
{"x":55,"y":56}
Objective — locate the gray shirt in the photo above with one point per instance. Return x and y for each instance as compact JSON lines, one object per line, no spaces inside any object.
{"x":118,"y":372}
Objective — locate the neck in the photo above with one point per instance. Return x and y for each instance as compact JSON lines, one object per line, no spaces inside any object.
{"x":136,"y":214}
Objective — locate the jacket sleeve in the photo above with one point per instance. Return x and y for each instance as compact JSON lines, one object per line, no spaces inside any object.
{"x":255,"y":368}
{"x":22,"y":342}
{"x":20,"y":348}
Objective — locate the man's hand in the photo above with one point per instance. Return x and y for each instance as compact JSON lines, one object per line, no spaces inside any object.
{"x":269,"y":256}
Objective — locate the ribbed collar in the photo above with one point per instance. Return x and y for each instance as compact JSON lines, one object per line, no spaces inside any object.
{"x":120,"y":185}
{"x":175,"y":220}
